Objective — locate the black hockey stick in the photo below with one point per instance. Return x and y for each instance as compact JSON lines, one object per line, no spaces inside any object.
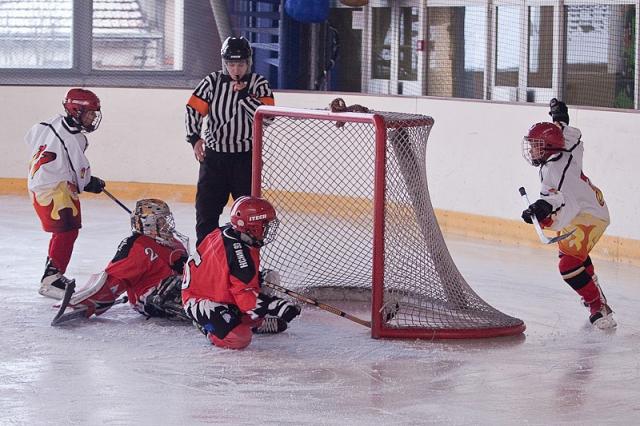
{"x":543,"y":238}
{"x":108,"y":194}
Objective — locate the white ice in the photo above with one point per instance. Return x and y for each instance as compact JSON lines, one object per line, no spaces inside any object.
{"x":121,"y":369}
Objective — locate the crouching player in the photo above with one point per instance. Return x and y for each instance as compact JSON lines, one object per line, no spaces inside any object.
{"x":148,"y":266}
{"x":221,"y":287}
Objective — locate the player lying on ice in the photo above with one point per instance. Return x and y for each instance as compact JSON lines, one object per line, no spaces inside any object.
{"x":221,"y":287}
{"x":148,"y":265}
{"x":568,"y":202}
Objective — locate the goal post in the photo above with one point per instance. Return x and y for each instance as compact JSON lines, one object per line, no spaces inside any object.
{"x":357,"y":224}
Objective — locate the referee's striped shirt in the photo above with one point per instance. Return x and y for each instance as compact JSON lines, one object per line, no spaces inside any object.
{"x":229,"y":120}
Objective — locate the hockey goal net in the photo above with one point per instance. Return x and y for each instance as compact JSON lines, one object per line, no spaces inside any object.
{"x":350,"y":190}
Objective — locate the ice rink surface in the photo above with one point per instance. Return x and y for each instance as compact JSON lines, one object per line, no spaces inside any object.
{"x":121,"y":369}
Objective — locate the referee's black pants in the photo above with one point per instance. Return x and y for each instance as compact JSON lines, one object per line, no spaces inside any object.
{"x":221,"y":174}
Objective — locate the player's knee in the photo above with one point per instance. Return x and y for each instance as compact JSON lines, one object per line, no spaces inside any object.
{"x":573,"y":271}
{"x":238,"y":338}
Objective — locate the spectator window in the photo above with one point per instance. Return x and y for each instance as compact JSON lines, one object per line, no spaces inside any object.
{"x":137,"y":35}
{"x":36,"y":34}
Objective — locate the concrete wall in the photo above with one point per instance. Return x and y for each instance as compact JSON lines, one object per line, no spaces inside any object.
{"x":473,"y":159}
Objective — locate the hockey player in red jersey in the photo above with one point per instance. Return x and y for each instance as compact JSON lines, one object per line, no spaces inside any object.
{"x":59,"y":171}
{"x":148,"y":265}
{"x":569,"y":201}
{"x":221,"y":287}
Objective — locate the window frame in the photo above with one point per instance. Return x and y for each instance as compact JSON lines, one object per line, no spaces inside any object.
{"x":82,"y":72}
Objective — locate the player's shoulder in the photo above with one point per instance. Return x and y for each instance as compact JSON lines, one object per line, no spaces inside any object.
{"x":125,"y":247}
{"x":212,"y":77}
{"x":571,"y":134}
{"x":259,"y":78}
{"x":239,"y":259}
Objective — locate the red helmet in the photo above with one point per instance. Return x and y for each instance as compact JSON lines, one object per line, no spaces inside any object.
{"x":256,"y":218}
{"x":80,"y":101}
{"x":542,"y":141}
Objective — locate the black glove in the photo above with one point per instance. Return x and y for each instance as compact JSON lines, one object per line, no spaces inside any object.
{"x":95,"y":185}
{"x":178,"y":265}
{"x":541,"y":209}
{"x":289,"y":312}
{"x":558,"y":111}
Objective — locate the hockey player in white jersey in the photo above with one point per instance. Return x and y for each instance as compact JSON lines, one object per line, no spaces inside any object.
{"x":58,"y":172}
{"x":569,"y":201}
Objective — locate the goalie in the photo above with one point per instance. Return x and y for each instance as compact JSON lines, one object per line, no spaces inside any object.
{"x":221,"y":288}
{"x":148,"y":265}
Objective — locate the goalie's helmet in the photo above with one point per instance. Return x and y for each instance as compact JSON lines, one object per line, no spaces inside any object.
{"x":542,"y":141}
{"x":78,"y":104}
{"x":255,"y":219}
{"x":152,"y":218}
{"x":236,"y":49}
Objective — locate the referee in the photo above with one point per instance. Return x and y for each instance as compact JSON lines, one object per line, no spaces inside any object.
{"x":229,"y":99}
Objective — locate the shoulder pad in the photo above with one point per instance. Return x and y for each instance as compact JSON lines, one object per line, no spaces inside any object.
{"x":239,"y":259}
{"x":125,"y":247}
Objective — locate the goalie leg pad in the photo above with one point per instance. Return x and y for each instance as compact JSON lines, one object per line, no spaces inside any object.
{"x":98,"y":294}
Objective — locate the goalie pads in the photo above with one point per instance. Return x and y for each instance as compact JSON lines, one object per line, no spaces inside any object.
{"x":98,"y":294}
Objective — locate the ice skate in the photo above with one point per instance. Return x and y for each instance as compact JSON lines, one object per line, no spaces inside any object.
{"x":271,"y":325}
{"x":603,"y":318}
{"x":53,"y":283}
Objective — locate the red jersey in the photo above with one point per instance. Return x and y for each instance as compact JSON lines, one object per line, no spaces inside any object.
{"x":142,"y":263}
{"x":223,"y":269}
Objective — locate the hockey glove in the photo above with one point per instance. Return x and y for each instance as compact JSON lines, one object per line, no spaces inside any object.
{"x":178,"y":265}
{"x":558,"y":111}
{"x":289,"y":311}
{"x":541,"y":209}
{"x":95,"y":185}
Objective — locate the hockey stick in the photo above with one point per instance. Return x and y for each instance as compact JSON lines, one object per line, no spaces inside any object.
{"x":543,"y":238}
{"x":108,"y":194}
{"x":62,"y":317}
{"x":320,"y":305}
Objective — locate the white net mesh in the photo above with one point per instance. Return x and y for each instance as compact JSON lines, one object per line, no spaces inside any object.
{"x":320,"y":175}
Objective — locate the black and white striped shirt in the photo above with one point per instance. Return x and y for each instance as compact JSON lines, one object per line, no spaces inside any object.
{"x":229,"y":116}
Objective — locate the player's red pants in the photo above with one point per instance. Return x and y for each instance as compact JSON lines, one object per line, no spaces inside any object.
{"x":238,"y":338}
{"x":61,"y":248}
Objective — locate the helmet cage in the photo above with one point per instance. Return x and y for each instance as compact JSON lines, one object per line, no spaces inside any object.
{"x":533,"y":150}
{"x":153,"y":218}
{"x":541,"y":142}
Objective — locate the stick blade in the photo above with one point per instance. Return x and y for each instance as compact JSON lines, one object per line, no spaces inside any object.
{"x":561,"y":237}
{"x":68,"y":292}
